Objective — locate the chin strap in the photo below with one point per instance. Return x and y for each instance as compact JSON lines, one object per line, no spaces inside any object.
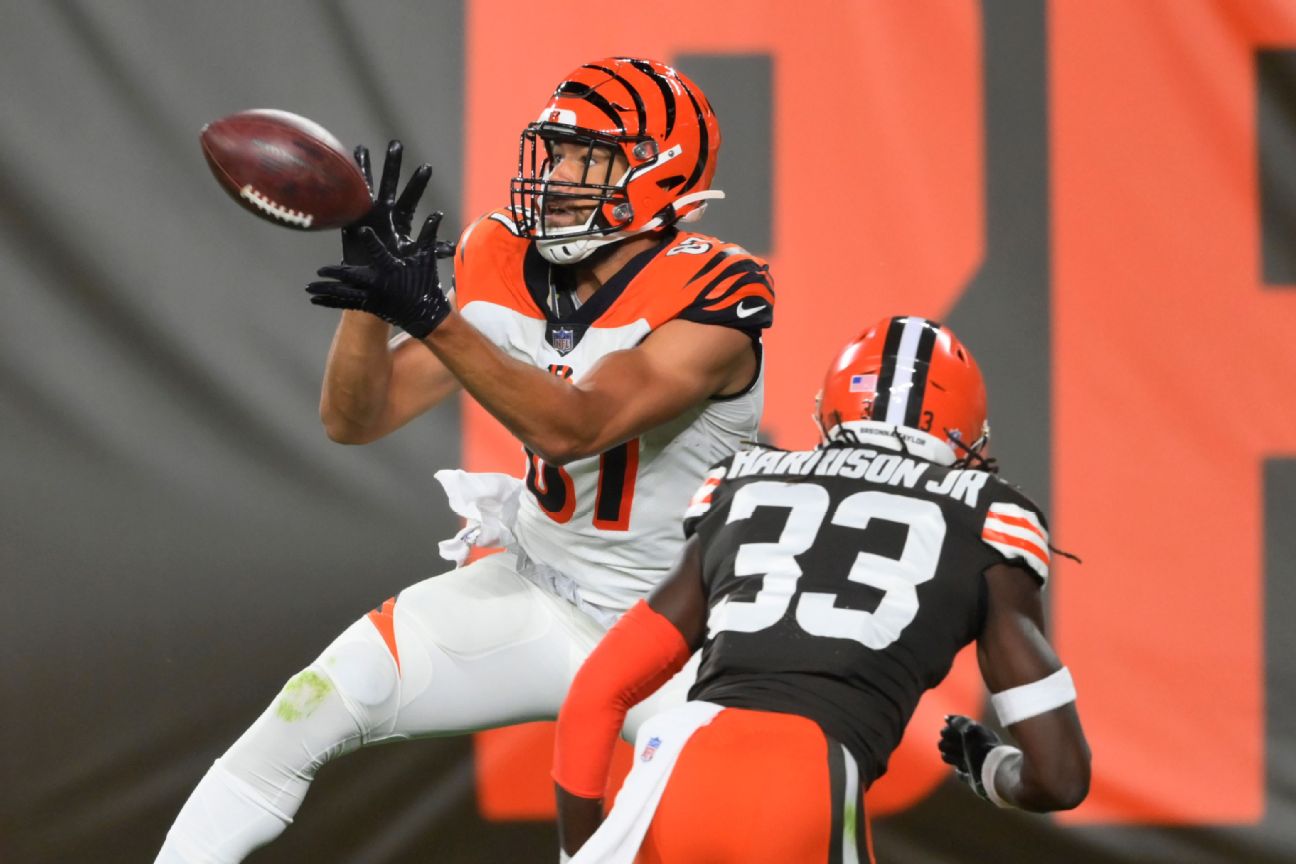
{"x":695,"y":214}
{"x":972,"y":456}
{"x":680,"y":203}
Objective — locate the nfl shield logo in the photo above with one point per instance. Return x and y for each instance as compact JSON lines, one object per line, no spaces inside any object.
{"x":564,"y":339}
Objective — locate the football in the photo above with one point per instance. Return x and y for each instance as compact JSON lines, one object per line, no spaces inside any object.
{"x":286,"y":169}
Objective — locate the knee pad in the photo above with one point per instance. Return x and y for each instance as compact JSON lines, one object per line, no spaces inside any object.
{"x":363,"y":672}
{"x":345,"y":699}
{"x":363,"y":668}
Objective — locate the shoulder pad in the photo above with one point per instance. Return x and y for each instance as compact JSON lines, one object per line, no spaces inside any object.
{"x":485,"y":231}
{"x":731,"y":286}
{"x":488,"y":264}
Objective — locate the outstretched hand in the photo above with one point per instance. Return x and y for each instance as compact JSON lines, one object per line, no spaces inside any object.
{"x":964,"y":743}
{"x":402,"y":289}
{"x":390,"y":217}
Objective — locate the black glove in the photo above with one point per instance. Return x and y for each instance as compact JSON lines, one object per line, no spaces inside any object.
{"x":964,"y":743}
{"x":400,"y":289}
{"x":391,"y":218}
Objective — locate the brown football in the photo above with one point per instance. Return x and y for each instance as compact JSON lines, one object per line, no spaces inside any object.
{"x":286,"y":169}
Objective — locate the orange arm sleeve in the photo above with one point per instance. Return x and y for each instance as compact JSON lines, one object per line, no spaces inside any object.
{"x":638,"y":655}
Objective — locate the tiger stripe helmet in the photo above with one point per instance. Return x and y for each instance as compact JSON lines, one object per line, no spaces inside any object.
{"x":910,"y":378}
{"x":656,"y":117}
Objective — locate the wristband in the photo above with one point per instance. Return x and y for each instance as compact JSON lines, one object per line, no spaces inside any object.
{"x":990,"y":767}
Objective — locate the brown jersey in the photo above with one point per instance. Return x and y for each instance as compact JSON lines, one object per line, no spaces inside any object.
{"x":842,"y":581}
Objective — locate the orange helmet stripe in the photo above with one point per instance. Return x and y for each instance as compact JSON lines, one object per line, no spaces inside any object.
{"x":668,"y":96}
{"x":641,"y":112}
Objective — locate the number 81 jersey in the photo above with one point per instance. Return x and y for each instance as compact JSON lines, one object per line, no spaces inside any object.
{"x":841,"y":582}
{"x":610,"y":523}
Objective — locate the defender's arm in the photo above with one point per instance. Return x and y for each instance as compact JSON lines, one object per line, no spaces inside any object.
{"x":641,"y":652}
{"x":1036,"y":702}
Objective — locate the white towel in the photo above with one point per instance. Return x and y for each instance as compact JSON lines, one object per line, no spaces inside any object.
{"x":488,"y":503}
{"x":657,"y":746}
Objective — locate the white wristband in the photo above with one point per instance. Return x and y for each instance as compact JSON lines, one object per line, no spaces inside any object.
{"x":990,"y":767}
{"x":1030,"y":700}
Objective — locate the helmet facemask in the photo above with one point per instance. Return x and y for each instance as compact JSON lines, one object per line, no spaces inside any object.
{"x":601,"y":190}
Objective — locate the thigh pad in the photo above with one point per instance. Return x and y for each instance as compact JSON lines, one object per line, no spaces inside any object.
{"x":477,"y":609}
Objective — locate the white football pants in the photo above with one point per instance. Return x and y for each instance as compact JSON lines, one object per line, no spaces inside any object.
{"x":475,"y":648}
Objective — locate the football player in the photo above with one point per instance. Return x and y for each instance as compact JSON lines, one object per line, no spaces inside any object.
{"x":828,"y":590}
{"x":623,"y":351}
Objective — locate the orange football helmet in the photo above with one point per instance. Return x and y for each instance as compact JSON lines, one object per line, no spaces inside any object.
{"x":910,"y":378}
{"x":656,"y":117}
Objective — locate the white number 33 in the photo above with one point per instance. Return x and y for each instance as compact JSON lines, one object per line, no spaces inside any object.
{"x":816,"y":612}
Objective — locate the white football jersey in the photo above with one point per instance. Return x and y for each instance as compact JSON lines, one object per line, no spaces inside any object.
{"x":612,"y":523}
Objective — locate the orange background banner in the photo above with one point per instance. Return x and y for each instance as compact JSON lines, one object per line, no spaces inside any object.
{"x":1165,"y":349}
{"x":1172,"y":365}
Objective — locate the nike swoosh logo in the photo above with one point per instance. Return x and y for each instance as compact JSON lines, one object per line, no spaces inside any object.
{"x":744,"y":312}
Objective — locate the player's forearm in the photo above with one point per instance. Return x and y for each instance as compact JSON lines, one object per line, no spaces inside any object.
{"x":1042,"y":785}
{"x":547,"y":414}
{"x":357,"y":376}
{"x":638,"y":655}
{"x":578,"y":819}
